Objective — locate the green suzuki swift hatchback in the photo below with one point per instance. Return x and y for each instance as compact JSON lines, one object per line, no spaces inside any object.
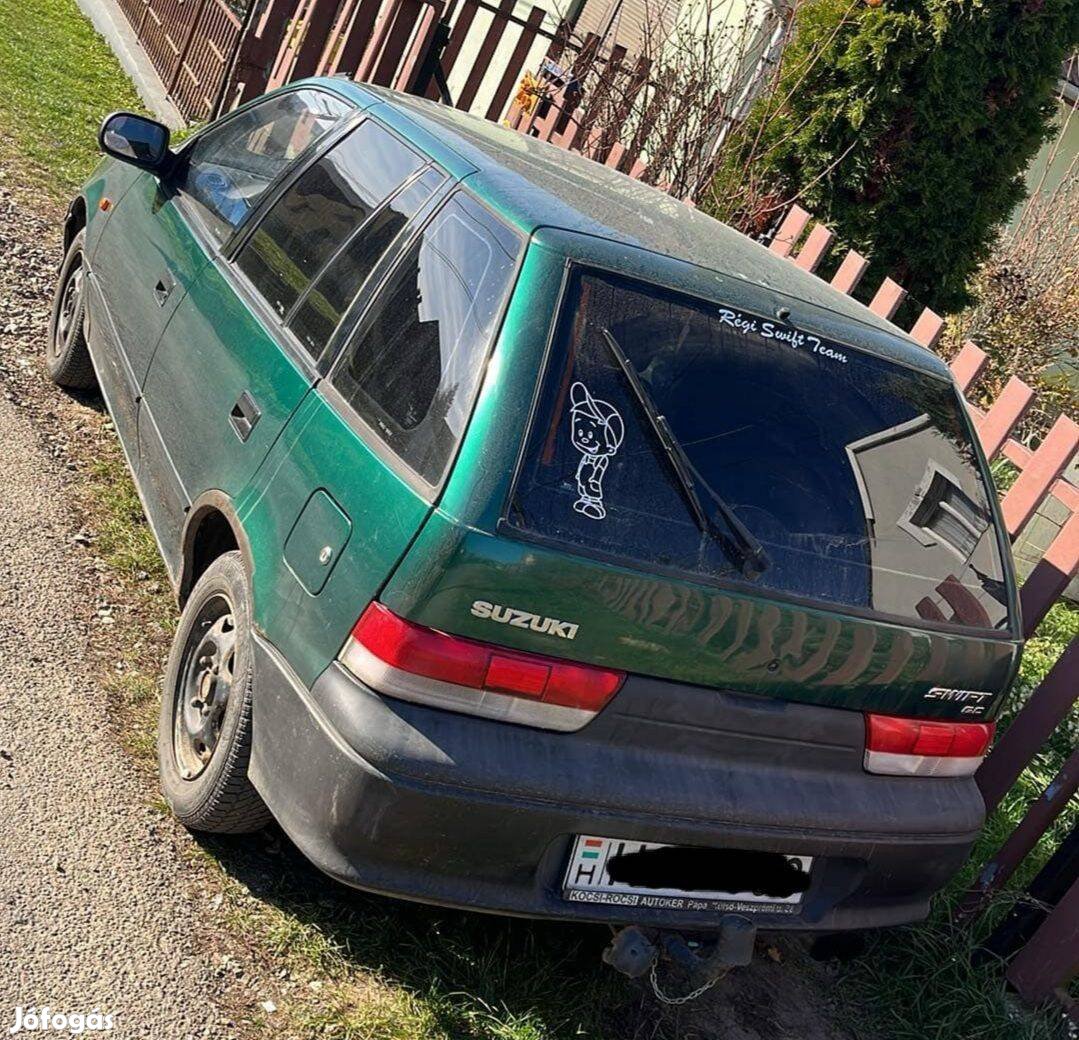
{"x":544,"y":546}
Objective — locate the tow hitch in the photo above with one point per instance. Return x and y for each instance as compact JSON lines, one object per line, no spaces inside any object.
{"x":636,"y":951}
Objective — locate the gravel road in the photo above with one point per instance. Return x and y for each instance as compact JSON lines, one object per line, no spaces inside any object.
{"x":97,"y":911}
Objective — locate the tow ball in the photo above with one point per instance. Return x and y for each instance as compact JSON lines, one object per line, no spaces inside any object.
{"x":636,"y":951}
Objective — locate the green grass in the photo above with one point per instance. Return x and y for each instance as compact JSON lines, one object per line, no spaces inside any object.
{"x":58,"y":78}
{"x":368,"y":968}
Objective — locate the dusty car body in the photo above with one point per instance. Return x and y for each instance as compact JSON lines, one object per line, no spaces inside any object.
{"x":568,"y":527}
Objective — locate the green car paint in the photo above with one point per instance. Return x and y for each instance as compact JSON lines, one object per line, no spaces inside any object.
{"x":330,"y":522}
{"x":321,"y":451}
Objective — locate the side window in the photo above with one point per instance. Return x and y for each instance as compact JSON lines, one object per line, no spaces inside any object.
{"x":228,"y":167}
{"x":414,"y":367}
{"x":318,"y":214}
{"x":318,"y":315}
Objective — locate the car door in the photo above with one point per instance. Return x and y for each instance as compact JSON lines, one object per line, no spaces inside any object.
{"x":238,"y":355}
{"x":162,"y":231}
{"x":349,"y":485}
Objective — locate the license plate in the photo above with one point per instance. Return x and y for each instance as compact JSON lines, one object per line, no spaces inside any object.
{"x":674,"y":877}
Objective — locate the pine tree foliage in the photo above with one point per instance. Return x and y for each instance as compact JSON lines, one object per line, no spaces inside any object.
{"x":906,"y":125}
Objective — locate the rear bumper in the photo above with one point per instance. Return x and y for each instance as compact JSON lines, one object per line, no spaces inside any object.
{"x":428,"y":805}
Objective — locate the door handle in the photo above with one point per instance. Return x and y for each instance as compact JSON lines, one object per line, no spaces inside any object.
{"x":165,"y":284}
{"x":244,"y":415}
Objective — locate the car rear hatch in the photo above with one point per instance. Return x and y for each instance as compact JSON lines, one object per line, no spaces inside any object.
{"x":707,"y":495}
{"x":847,"y":573}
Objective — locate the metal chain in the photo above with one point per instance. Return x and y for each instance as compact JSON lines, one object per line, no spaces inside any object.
{"x":692,"y":995}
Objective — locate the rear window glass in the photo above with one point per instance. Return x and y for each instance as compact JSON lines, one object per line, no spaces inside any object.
{"x":854,"y":476}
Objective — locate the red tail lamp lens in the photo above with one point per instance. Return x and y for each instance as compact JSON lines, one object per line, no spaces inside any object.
{"x":925,"y":747}
{"x":458,"y":664}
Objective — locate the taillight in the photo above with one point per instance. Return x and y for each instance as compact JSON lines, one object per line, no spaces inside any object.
{"x":925,"y":747}
{"x":405,"y":660}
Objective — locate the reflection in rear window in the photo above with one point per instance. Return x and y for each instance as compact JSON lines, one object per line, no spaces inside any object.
{"x":854,"y":474}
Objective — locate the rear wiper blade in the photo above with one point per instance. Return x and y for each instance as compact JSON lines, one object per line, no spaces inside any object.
{"x":754,"y":558}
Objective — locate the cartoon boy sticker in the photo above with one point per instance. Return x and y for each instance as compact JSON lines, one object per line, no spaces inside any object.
{"x":596,"y":430}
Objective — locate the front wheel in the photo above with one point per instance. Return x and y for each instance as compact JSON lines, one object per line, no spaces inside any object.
{"x":204,"y":733}
{"x":67,"y":357}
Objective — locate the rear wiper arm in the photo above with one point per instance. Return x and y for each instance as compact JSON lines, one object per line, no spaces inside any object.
{"x":754,"y":559}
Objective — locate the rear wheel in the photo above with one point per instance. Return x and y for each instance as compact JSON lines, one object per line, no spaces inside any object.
{"x":67,"y":357}
{"x":204,"y":733}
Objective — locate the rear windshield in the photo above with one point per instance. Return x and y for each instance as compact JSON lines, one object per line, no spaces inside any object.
{"x":825,"y":473}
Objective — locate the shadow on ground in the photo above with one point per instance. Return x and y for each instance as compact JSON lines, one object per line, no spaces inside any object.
{"x":549,"y":975}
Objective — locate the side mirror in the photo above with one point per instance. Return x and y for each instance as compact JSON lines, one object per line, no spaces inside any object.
{"x":135,"y":139}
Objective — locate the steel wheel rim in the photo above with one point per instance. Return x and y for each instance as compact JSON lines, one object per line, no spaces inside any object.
{"x":204,"y":686}
{"x":69,"y":306}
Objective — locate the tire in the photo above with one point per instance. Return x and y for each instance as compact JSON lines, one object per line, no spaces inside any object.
{"x":67,"y":357}
{"x":204,"y":733}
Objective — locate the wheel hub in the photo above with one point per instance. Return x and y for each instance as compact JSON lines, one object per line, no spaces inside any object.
{"x":206,"y":676}
{"x":69,"y":305}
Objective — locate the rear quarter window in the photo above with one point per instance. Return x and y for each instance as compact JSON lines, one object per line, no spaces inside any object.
{"x":414,"y":366}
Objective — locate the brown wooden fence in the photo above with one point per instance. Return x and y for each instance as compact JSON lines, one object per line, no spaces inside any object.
{"x":191,"y":44}
{"x":409,"y":45}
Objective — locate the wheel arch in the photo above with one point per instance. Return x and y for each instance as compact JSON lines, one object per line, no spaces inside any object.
{"x":212,"y":528}
{"x":75,"y":221}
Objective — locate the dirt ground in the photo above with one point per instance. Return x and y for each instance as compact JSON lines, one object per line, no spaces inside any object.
{"x":99,"y":907}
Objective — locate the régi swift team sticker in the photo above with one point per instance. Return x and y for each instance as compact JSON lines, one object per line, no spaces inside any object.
{"x":596,"y":430}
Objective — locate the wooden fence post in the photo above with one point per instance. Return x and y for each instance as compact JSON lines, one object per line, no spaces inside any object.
{"x":514,"y":66}
{"x":1003,"y":416}
{"x":927,"y":329}
{"x":1040,"y":474}
{"x":1048,"y":704}
{"x":850,"y":272}
{"x":794,"y":223}
{"x":259,"y":48}
{"x":1050,"y":577}
{"x":887,"y":298}
{"x":486,"y":52}
{"x":1051,"y":957}
{"x":1045,"y":809}
{"x":816,"y":245}
{"x":968,"y":365}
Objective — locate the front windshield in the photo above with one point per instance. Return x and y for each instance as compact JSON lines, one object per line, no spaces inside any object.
{"x":855,"y":474}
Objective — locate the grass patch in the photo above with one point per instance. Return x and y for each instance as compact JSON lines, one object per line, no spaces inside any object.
{"x":124,"y":540}
{"x":368,"y":968}
{"x":58,"y":80}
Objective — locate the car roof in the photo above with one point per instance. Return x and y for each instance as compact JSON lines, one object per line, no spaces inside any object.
{"x":534,"y":184}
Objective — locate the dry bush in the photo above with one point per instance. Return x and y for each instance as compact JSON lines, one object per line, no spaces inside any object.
{"x":680,"y":101}
{"x":1027,"y":315}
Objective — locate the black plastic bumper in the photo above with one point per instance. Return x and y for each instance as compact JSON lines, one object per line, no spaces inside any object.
{"x":443,"y":808}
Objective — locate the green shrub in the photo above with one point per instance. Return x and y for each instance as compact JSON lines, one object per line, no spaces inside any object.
{"x":905,"y":125}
